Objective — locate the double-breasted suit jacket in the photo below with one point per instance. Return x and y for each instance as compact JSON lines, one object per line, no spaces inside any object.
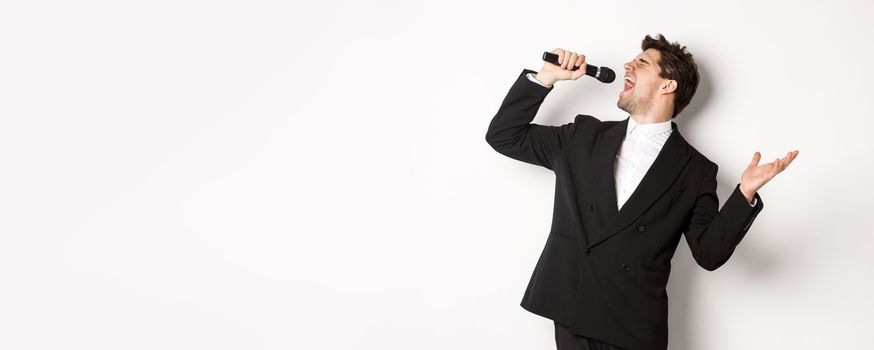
{"x":603,"y":272}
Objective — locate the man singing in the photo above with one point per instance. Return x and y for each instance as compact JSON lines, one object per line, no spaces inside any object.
{"x":625,"y":193}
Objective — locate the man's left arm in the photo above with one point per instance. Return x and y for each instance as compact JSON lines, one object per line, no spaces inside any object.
{"x":713,"y":234}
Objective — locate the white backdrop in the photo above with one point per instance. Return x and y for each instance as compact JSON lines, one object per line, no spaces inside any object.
{"x":314,"y":175}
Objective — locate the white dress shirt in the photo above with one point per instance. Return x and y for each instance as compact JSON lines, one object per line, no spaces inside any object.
{"x":638,"y":151}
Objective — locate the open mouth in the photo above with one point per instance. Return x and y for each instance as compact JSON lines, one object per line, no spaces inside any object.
{"x":629,"y":83}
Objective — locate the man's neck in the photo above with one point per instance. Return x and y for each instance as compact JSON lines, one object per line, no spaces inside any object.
{"x":649,"y":117}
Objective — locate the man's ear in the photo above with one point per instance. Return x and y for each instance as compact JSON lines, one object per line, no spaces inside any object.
{"x":669,"y":86}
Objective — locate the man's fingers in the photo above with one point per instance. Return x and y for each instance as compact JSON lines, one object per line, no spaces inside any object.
{"x":792,"y":156}
{"x":568,"y":59}
{"x":560,"y":53}
{"x":788,"y":159}
{"x":785,"y":161}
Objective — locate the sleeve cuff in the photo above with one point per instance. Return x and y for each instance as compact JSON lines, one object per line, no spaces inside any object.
{"x":733,"y":205}
{"x":531,"y":77}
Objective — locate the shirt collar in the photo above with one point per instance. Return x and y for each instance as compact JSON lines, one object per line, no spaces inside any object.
{"x":648,"y":129}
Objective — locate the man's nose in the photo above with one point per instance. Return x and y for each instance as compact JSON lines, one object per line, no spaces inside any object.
{"x":627,"y":67}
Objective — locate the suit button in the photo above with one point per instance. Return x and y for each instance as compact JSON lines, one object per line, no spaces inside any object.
{"x":626,"y":267}
{"x":590,"y":208}
{"x":641,"y":228}
{"x":588,"y":251}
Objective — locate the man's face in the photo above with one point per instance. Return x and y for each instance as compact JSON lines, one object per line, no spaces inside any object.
{"x":642,"y":82}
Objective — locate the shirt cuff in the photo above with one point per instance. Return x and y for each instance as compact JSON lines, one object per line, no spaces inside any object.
{"x":531,"y":77}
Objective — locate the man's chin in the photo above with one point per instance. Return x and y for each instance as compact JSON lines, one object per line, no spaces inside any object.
{"x":620,"y":103}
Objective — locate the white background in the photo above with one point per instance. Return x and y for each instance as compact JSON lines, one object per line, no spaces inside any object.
{"x":314,"y":175}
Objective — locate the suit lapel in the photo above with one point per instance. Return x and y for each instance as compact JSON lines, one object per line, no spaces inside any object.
{"x":661,"y":174}
{"x":603,"y":158}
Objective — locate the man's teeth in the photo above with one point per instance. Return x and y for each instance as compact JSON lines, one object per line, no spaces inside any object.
{"x":629,"y":83}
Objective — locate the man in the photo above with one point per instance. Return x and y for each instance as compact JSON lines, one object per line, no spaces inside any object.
{"x":625,"y":193}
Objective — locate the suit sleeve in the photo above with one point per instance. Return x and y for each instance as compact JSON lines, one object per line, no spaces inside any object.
{"x":713,"y":234}
{"x":512,"y":133}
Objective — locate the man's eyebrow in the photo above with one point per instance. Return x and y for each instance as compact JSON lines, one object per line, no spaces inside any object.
{"x":643,"y":60}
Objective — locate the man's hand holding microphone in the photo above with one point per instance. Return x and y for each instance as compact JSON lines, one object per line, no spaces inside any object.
{"x":568,"y":65}
{"x":551,"y":73}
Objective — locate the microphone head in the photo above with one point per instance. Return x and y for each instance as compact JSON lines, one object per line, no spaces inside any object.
{"x":607,"y":75}
{"x":603,"y":74}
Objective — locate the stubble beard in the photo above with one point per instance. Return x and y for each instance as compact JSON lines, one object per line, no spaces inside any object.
{"x":628,"y":104}
{"x":632,"y":103}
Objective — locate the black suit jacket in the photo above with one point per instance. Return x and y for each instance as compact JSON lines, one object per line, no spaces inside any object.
{"x":603,"y":272}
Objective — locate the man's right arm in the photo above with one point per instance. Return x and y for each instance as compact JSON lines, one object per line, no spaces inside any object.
{"x":512,"y":132}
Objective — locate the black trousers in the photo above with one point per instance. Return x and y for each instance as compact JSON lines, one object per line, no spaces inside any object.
{"x":565,"y":340}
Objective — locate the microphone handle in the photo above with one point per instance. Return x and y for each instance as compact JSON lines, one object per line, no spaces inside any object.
{"x":592,"y":71}
{"x":553,"y":58}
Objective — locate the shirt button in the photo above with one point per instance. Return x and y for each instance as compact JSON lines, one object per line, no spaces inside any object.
{"x":641,"y":228}
{"x":590,"y":208}
{"x":626,"y":267}
{"x":588,"y":251}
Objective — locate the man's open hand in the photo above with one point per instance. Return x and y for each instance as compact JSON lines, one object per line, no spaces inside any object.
{"x":755,"y":176}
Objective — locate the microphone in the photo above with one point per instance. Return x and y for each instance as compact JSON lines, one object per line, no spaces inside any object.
{"x":603,"y":74}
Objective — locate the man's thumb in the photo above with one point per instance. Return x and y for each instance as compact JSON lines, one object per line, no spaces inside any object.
{"x":756,"y":157}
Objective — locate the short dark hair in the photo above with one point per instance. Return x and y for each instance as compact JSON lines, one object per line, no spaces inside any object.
{"x":676,"y":64}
